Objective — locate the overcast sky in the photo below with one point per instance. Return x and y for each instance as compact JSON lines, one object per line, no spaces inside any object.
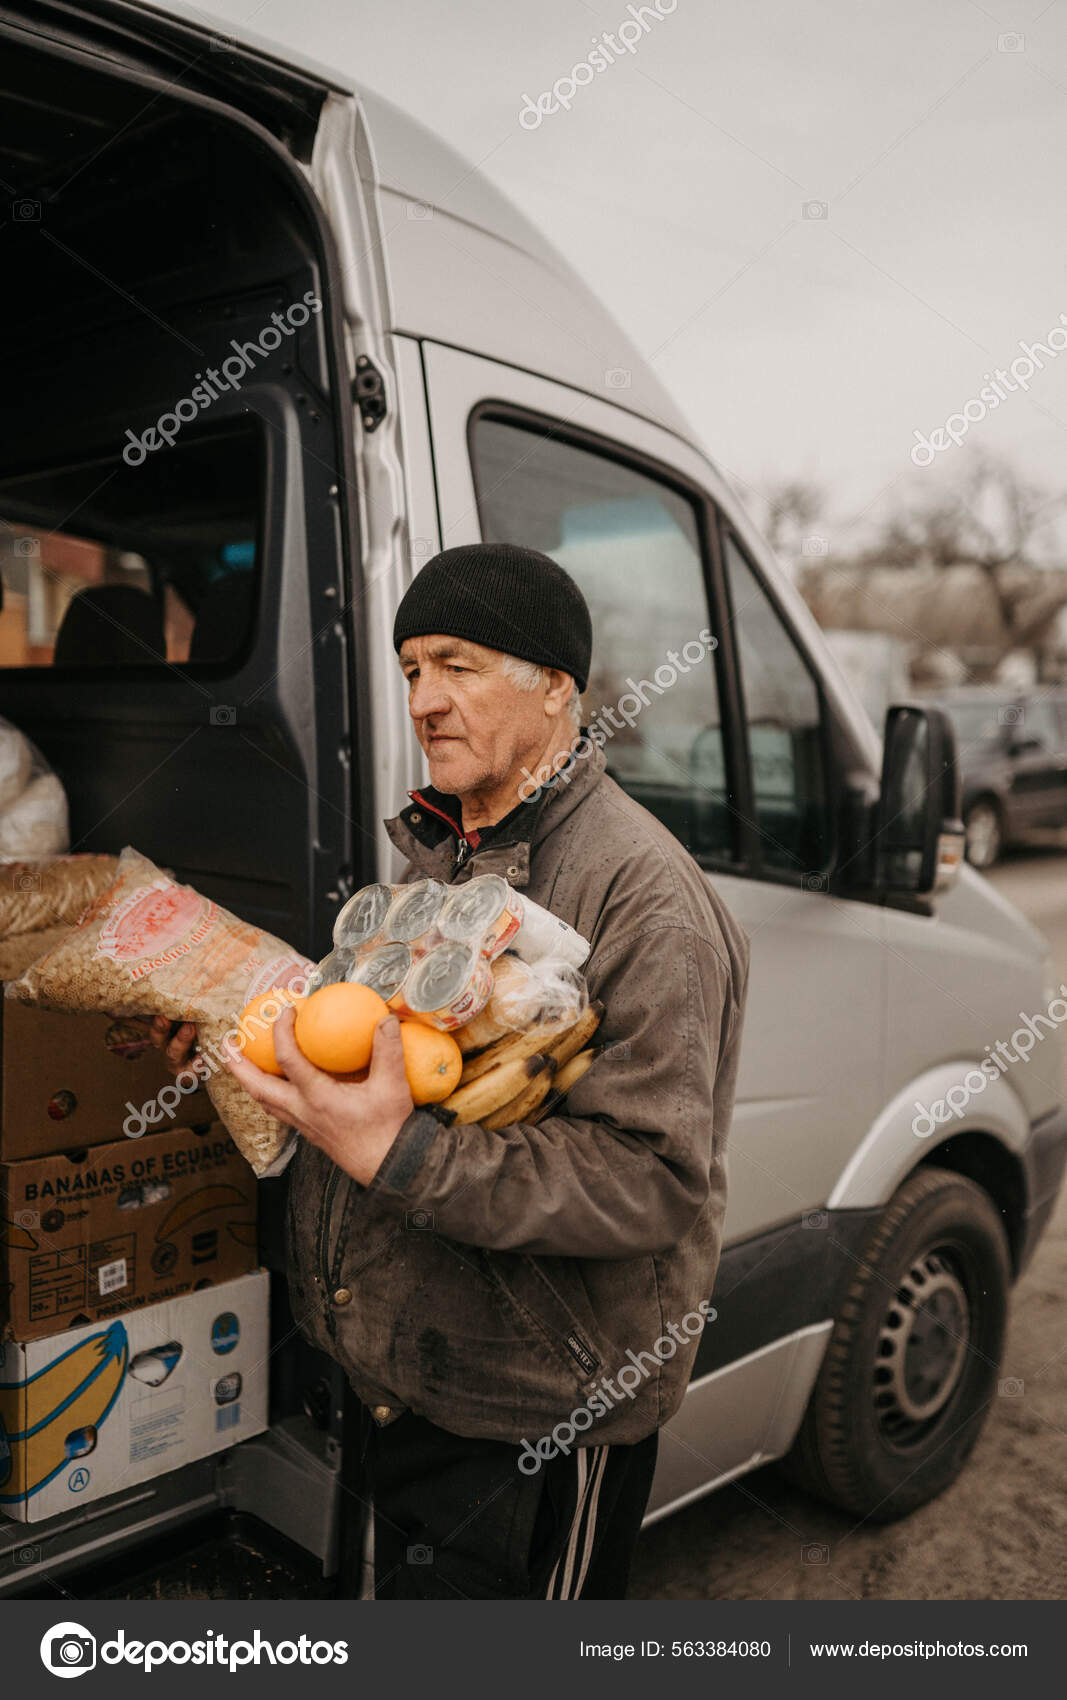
{"x":677,"y":183}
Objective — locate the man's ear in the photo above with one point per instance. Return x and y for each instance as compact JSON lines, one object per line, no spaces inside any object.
{"x":557,"y":691}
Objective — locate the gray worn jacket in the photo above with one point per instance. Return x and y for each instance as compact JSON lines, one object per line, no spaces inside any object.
{"x":494,"y":1283}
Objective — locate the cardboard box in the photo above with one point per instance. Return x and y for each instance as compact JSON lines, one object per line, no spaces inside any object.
{"x":100,"y":1408}
{"x":89,"y":1234}
{"x":69,"y":1081}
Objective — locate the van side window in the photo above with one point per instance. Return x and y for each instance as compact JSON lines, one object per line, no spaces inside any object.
{"x":112,"y":565}
{"x":783,"y":728}
{"x":633,"y":545}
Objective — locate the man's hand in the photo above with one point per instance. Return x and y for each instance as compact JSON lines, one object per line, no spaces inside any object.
{"x":178,"y":1047}
{"x":354,"y":1122}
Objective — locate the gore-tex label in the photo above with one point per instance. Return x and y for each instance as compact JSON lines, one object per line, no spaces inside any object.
{"x":581,"y":1351}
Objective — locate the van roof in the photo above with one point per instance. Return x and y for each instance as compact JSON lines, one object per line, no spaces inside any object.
{"x":476,"y":272}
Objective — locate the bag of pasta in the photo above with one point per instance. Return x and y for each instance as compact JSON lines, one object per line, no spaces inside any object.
{"x":145,"y":945}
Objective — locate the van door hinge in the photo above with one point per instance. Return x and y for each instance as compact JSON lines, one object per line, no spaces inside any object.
{"x":368,"y":388}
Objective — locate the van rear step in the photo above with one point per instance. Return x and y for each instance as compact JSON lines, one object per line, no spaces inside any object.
{"x":227,"y":1555}
{"x":275,"y":1496}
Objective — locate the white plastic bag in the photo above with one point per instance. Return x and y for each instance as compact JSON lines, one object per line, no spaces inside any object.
{"x":33,"y":803}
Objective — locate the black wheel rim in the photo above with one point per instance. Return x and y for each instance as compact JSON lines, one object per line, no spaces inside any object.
{"x":922,"y":1349}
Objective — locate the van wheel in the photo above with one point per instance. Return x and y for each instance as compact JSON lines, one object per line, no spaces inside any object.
{"x":983,"y":833}
{"x":914,"y":1355}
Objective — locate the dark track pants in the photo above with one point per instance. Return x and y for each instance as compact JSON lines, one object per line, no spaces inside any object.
{"x":457,"y":1519}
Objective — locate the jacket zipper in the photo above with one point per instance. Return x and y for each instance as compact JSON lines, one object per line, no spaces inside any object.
{"x":327,"y":1211}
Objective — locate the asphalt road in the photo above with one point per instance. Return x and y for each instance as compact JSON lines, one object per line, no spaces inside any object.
{"x":1000,"y":1532}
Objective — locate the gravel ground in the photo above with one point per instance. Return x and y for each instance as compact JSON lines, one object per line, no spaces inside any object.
{"x":999,"y":1533}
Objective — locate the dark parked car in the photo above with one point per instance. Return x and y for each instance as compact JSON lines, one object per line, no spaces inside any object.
{"x":1012,"y":750}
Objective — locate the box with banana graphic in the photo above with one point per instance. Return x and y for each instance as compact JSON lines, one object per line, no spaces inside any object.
{"x":90,"y":1234}
{"x":100,"y":1408}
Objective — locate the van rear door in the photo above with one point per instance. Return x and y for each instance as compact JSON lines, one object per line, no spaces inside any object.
{"x":180,"y":547}
{"x":179,"y":553}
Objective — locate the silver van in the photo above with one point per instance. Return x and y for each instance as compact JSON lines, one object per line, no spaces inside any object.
{"x":269,"y":346}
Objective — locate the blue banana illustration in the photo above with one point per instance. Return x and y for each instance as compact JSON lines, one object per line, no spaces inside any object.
{"x":45,"y":1420}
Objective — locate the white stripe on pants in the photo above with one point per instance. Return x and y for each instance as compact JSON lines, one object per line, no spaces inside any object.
{"x":591,"y":1462}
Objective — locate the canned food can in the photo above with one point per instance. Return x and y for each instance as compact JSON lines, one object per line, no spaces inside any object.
{"x":413,"y":911}
{"x":337,"y":966}
{"x":448,"y":985}
{"x":484,"y":912}
{"x":384,"y":970}
{"x":359,"y":922}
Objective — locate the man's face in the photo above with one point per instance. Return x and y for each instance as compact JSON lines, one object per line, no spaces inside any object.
{"x":475,"y":724}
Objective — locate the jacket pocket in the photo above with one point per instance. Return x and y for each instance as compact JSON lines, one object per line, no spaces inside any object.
{"x":549,"y":1296}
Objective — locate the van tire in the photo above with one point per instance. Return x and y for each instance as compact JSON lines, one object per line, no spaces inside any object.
{"x":939,"y":1227}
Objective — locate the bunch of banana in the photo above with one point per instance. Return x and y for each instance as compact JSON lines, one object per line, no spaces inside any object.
{"x":510,"y":1079}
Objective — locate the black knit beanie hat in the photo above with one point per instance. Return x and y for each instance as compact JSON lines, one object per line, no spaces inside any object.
{"x":513,"y":599}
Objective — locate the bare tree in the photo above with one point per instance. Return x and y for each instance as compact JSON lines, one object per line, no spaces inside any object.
{"x":792,"y":507}
{"x":993,"y":520}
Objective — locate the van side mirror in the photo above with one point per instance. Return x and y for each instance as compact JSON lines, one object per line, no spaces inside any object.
{"x":919,"y":839}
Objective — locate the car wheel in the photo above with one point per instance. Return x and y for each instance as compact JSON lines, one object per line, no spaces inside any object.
{"x":984,"y":833}
{"x":914,"y":1355}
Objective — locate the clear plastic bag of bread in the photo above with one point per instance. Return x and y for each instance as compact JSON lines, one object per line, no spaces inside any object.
{"x":33,"y":804}
{"x":529,"y":1044}
{"x":147,"y":945}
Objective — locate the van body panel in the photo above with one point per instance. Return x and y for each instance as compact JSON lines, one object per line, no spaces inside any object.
{"x":890,"y":1150}
{"x":817,"y":983}
{"x":956,"y":989}
{"x":736,"y":1419}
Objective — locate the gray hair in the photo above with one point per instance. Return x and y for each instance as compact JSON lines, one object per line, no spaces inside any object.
{"x":527,"y":675}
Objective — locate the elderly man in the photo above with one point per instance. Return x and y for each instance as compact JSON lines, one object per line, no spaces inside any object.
{"x":519,"y":1311}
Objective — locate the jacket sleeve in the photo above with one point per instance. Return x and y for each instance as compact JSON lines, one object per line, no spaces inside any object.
{"x":631,"y":1165}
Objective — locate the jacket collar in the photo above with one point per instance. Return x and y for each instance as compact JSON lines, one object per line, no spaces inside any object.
{"x":430,"y":843}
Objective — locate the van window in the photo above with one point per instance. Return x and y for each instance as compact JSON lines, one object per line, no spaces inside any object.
{"x":783,"y":727}
{"x":633,"y":545}
{"x":110,"y":565}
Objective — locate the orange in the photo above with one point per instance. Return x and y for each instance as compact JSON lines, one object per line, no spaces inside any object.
{"x":433,"y":1062}
{"x":335,"y":1026}
{"x":255,"y":1028}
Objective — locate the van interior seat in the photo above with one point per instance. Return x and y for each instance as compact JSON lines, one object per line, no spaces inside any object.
{"x":110,"y":625}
